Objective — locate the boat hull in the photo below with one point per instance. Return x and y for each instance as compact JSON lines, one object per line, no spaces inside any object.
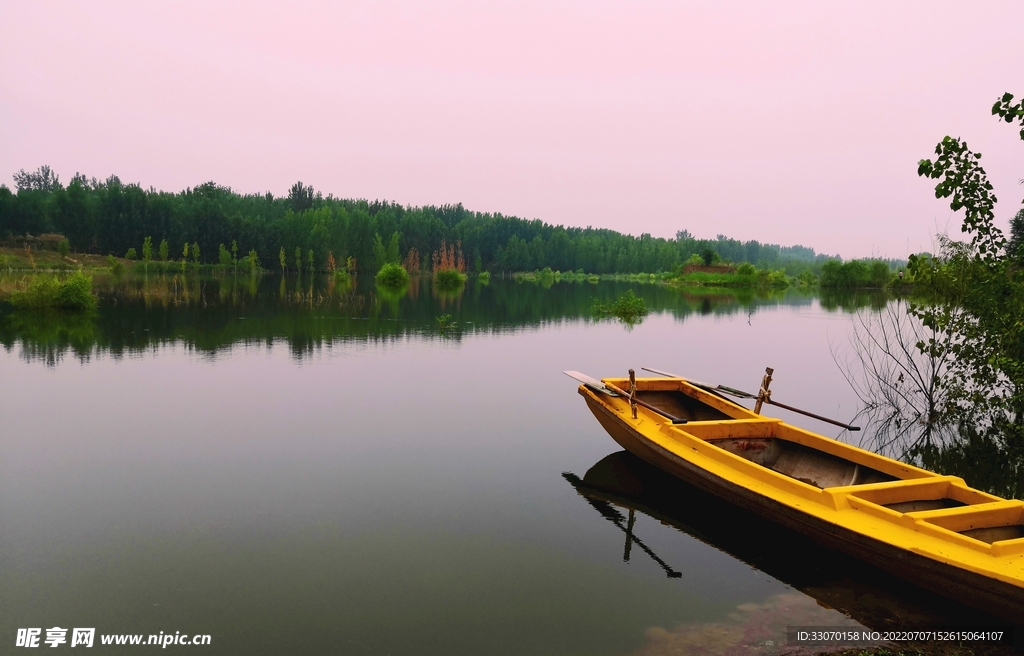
{"x":989,"y":595}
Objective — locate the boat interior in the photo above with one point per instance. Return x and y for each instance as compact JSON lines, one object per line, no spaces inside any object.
{"x":943,"y":502}
{"x":760,"y":441}
{"x":678,"y":404}
{"x":801,"y":462}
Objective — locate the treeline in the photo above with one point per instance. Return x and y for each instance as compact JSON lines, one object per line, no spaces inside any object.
{"x":111,"y":217}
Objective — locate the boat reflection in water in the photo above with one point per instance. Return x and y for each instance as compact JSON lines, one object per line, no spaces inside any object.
{"x":621,"y":485}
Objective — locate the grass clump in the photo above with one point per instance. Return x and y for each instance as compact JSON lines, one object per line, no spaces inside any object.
{"x":629,"y":307}
{"x":484,"y":277}
{"x":449,"y":278}
{"x":45,"y":293}
{"x":393,"y":276}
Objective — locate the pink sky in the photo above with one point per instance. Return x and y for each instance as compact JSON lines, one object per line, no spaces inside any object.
{"x":783,"y":122}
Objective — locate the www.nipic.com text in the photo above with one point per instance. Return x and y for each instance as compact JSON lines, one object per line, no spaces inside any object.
{"x":58,"y":636}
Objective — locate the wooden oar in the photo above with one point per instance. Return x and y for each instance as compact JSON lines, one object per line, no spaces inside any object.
{"x":747,"y":395}
{"x":612,"y":390}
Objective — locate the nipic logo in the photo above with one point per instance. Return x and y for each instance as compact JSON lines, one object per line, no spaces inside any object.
{"x":55,"y":637}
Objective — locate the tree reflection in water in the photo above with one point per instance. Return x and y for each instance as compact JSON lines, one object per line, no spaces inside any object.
{"x":214,"y":313}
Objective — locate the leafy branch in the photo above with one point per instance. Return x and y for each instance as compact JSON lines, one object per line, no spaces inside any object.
{"x":961,"y":176}
{"x":1006,"y":110}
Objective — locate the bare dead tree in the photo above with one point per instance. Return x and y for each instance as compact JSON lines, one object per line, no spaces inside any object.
{"x":896,"y":366}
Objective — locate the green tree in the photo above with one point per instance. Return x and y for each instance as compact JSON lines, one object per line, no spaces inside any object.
{"x":386,"y":254}
{"x":380,"y":257}
{"x":195,"y":252}
{"x":254,"y":262}
{"x":224,"y":256}
{"x":298,"y":260}
{"x":234,"y":253}
{"x":391,"y":253}
{"x":147,"y":251}
{"x":1015,"y":247}
{"x":284,"y":262}
{"x":979,"y":313}
{"x":165,"y":250}
{"x":131,"y":254}
{"x":310,"y":260}
{"x":64,"y":247}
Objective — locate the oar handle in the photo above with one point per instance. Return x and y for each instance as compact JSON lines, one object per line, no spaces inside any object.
{"x":813,"y":416}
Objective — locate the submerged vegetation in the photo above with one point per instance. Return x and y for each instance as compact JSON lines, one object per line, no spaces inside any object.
{"x":392,"y":275}
{"x":628,"y":307}
{"x":73,"y":293}
{"x":449,"y":279}
{"x":449,"y":264}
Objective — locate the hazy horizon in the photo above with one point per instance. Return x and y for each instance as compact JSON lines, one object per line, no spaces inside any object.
{"x":793,"y":123}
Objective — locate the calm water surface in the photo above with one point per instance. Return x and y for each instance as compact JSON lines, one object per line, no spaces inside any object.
{"x":294,"y":468}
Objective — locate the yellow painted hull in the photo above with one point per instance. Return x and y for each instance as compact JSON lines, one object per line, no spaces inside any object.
{"x":843,"y":497}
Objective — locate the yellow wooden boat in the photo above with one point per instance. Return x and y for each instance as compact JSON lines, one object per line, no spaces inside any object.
{"x":930,"y":529}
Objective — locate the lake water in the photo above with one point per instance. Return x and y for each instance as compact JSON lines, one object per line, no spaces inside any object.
{"x":291,"y":467}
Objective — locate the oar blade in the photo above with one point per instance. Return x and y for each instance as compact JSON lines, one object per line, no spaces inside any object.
{"x":592,"y":383}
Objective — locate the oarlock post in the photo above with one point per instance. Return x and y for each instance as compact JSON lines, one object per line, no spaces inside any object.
{"x":632,"y":392}
{"x":764,"y":395}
